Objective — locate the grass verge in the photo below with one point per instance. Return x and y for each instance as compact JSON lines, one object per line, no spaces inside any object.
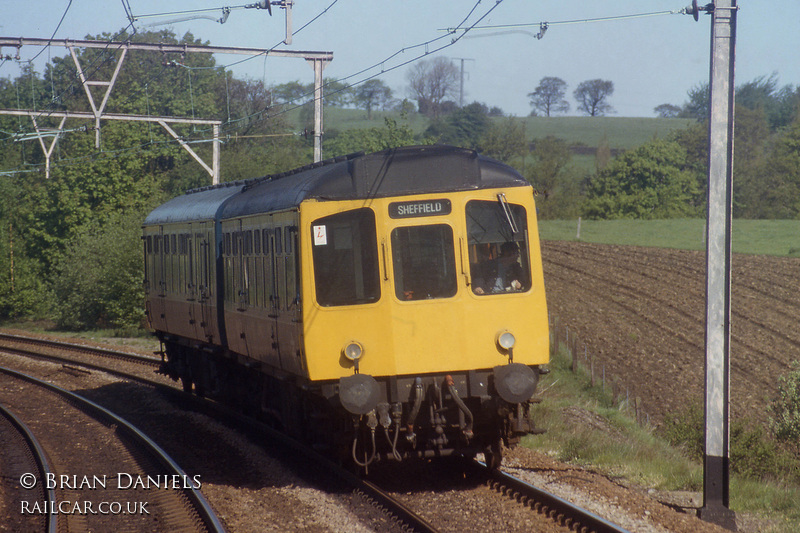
{"x":763,"y":237}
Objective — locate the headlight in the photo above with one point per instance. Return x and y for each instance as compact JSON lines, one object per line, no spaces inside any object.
{"x":505,"y":340}
{"x":353,"y":351}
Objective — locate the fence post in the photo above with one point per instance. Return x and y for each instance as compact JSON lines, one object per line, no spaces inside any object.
{"x":555,"y":336}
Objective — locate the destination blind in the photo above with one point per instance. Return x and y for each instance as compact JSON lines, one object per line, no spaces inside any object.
{"x":420,"y":208}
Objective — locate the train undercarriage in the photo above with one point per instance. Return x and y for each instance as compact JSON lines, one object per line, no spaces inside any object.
{"x":362,"y":419}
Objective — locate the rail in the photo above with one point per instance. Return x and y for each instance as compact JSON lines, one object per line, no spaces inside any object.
{"x":94,"y":350}
{"x":39,"y":458}
{"x":199,"y":502}
{"x":559,"y":509}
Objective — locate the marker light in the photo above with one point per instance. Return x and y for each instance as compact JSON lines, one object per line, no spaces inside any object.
{"x":353,"y":351}
{"x":505,"y":340}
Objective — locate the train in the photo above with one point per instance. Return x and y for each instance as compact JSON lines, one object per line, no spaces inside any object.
{"x":379,"y":307}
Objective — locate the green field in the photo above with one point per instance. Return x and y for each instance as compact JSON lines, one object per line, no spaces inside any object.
{"x":619,"y":132}
{"x":765,"y":237}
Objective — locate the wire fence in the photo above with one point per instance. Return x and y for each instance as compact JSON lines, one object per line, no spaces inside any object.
{"x":584,"y":360}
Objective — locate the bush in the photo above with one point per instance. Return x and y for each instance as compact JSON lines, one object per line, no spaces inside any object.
{"x":23,"y":293}
{"x":685,"y":429}
{"x":753,"y":453}
{"x":98,"y":281}
{"x":785,"y":409}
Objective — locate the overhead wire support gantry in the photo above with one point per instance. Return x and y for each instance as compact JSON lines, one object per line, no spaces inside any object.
{"x":319,"y":61}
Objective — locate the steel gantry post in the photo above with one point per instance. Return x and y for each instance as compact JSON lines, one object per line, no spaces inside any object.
{"x":318,"y":59}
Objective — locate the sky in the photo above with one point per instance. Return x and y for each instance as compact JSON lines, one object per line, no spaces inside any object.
{"x":651,"y":60}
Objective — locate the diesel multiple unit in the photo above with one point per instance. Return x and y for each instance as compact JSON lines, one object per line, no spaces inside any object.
{"x":382,"y":306}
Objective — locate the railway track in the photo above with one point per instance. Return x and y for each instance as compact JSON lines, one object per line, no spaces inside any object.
{"x":402,"y":516}
{"x":64,"y":353}
{"x":558,"y":509}
{"x":26,"y":456}
{"x":39,"y":347}
{"x":127,"y":482}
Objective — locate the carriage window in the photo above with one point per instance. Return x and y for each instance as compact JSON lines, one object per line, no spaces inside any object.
{"x":424,"y":262}
{"x":290,"y":233}
{"x":278,"y":249}
{"x":345,"y":253}
{"x":498,"y":247}
{"x":265,"y":246}
{"x":248,"y":243}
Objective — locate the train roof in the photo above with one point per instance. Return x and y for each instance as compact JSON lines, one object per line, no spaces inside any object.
{"x":196,"y":205}
{"x":399,"y":171}
{"x":394,"y":172}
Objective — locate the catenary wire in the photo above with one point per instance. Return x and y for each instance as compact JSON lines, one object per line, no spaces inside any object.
{"x":569,"y":22}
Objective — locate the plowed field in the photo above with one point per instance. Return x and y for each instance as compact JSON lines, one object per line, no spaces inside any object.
{"x":641,"y":313}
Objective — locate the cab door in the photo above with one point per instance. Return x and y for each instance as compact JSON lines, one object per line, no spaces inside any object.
{"x":425,"y":277}
{"x":202,"y":257}
{"x":290,"y":318}
{"x":159,"y":282}
{"x":201,"y":291}
{"x":273,"y":284}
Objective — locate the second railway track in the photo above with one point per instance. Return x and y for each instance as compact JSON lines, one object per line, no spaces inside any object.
{"x":103,"y":469}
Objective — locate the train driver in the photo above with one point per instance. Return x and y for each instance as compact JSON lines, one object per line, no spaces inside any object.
{"x":503,"y":274}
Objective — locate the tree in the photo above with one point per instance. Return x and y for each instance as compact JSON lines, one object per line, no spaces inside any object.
{"x":370,"y":94}
{"x":694,"y":140}
{"x":292,"y":92}
{"x":757,"y":192}
{"x":783,"y":172}
{"x":649,"y":182}
{"x":779,"y":105}
{"x":667,"y":110}
{"x":431,"y":82}
{"x":463,"y":127}
{"x":548,"y":97}
{"x":699,"y":101}
{"x":45,"y":225}
{"x":107,"y":290}
{"x":372,"y":139}
{"x":505,"y":140}
{"x":256,"y":143}
{"x":592,"y":97}
{"x":551,"y":155}
{"x":558,"y":185}
{"x":335,"y":93}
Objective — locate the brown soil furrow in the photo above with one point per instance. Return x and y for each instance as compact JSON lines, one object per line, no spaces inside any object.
{"x":641,"y":311}
{"x":772,"y":311}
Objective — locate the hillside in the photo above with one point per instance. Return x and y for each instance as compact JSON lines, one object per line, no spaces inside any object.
{"x":620,"y":132}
